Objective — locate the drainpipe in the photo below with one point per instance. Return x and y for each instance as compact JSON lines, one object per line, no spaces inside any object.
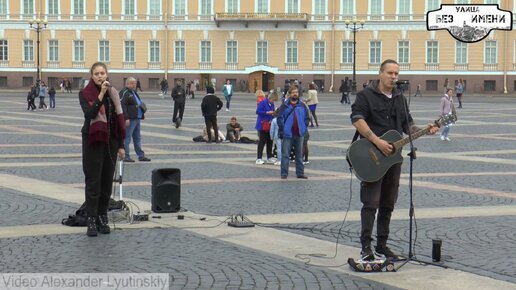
{"x":333,"y":46}
{"x":506,"y":50}
{"x":166,"y":40}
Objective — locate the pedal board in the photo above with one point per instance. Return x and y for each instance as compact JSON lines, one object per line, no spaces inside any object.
{"x":377,"y":265}
{"x":240,"y":224}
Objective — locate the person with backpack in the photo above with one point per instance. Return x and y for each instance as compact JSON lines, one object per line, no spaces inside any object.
{"x":293,"y":119}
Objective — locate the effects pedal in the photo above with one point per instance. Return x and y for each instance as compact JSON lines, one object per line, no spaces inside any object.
{"x":240,"y":224}
{"x":140,"y":217}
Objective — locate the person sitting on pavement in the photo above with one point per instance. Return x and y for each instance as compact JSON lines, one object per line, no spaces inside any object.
{"x":233,"y":130}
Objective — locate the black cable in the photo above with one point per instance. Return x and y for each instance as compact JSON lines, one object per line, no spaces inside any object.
{"x":307,"y":257}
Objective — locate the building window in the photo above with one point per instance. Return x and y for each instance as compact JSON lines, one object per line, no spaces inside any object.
{"x":433,"y":4}
{"x":27,"y":81}
{"x":129,"y":8}
{"x":232,"y":6}
{"x":461,"y":52}
{"x":375,"y":52}
{"x":4,"y":50}
{"x":28,"y":50}
{"x":154,"y":83}
{"x":53,"y":50}
{"x":320,"y":9}
{"x":403,"y":51}
{"x":292,"y":6}
{"x":3,"y":8}
{"x":206,"y":7}
{"x":261,"y":51}
{"x":490,"y":52}
{"x":53,"y":7}
{"x":262,"y":6}
{"x":103,"y":7}
{"x":154,"y":51}
{"x":404,"y":9}
{"x":180,"y":50}
{"x":231,"y":51}
{"x":431,"y":85}
{"x":3,"y":81}
{"x":489,"y":85}
{"x":28,"y":7}
{"x":492,"y":2}
{"x":347,"y":52}
{"x":347,"y":8}
{"x":292,"y":51}
{"x":375,"y":9}
{"x":104,"y":50}
{"x":205,"y":51}
{"x":432,"y":52}
{"x":155,"y":8}
{"x":179,"y":7}
{"x":319,"y":48}
{"x":78,"y":50}
{"x":129,"y":51}
{"x":461,"y":1}
{"x":78,"y":7}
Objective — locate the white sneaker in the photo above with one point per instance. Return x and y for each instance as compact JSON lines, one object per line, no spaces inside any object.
{"x":259,"y":161}
{"x":306,"y":162}
{"x":447,"y":139}
{"x":270,"y":160}
{"x":278,"y":163}
{"x":442,"y":138}
{"x":227,"y":110}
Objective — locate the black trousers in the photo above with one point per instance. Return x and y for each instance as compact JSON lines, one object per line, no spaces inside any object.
{"x":98,"y":165}
{"x":265,"y":140}
{"x":382,"y":196}
{"x":179,"y":109}
{"x":211,"y":122}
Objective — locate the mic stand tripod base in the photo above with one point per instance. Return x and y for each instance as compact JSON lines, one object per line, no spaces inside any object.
{"x":414,"y":259}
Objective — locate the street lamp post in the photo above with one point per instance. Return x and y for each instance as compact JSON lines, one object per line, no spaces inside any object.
{"x":354,"y":25}
{"x":38,"y":25}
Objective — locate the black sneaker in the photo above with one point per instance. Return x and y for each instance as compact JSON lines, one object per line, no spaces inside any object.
{"x":128,"y":159}
{"x":367,"y":254}
{"x":144,"y":159}
{"x":384,"y":250}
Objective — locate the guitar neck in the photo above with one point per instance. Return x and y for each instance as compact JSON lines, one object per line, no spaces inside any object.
{"x":399,"y":144}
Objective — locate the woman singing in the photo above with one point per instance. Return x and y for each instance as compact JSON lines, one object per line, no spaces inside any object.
{"x":103,"y":135}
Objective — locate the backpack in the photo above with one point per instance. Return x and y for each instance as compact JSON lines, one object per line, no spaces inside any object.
{"x":81,"y":216}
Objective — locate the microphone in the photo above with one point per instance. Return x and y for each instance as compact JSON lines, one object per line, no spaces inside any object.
{"x":402,"y":82}
{"x":109,"y":84}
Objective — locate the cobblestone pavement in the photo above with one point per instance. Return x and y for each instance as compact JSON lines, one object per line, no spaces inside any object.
{"x":474,"y":170}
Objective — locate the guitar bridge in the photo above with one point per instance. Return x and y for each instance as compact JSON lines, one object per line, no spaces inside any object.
{"x":373,"y":156}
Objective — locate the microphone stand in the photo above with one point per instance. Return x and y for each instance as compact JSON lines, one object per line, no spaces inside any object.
{"x":412,"y":155}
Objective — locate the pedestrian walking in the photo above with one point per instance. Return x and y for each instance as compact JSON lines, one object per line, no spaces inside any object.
{"x":459,"y":90}
{"x":52,"y":98}
{"x":228,"y":93}
{"x":179,"y":97}
{"x":43,"y":90}
{"x":446,"y":108}
{"x":311,"y":101}
{"x":164,"y":87}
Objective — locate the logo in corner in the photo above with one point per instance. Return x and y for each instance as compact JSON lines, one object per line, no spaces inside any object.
{"x":467,"y":22}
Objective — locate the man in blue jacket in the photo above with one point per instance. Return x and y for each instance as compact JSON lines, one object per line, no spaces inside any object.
{"x":293,"y":118}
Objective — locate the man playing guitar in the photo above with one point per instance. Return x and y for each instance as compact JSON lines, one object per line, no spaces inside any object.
{"x":378,"y":108}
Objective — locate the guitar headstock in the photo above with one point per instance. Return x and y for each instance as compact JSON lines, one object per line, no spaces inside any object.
{"x":446,"y":120}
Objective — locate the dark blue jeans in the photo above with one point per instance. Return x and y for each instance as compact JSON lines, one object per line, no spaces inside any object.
{"x":133,"y":131}
{"x":286,"y":144}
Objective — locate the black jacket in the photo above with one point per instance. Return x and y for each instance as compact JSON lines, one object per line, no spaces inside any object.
{"x":210,"y":105}
{"x":129,"y":104}
{"x":178,"y":94}
{"x":381,"y":113}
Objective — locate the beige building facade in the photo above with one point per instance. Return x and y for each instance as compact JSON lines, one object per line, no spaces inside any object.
{"x":257,"y":44}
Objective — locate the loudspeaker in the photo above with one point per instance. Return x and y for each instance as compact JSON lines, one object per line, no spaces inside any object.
{"x":166,"y":190}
